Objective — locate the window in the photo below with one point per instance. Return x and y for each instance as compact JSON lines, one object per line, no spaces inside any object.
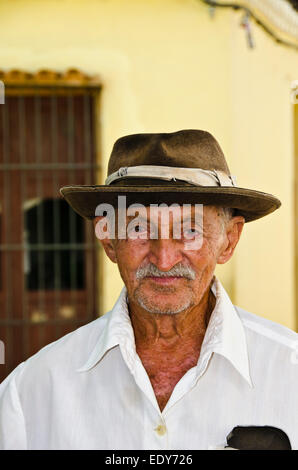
{"x":48,"y":258}
{"x":54,"y":256}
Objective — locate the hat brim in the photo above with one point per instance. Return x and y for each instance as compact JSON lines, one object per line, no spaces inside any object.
{"x":251,"y":204}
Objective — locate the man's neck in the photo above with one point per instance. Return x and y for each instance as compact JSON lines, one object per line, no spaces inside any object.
{"x":170,"y":345}
{"x":170,"y":330}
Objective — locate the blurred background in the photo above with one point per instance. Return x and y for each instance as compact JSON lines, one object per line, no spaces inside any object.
{"x":78,"y":74}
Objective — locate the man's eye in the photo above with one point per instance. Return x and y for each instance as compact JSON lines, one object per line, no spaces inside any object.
{"x":140,"y":228}
{"x":137,"y":230}
{"x":192,"y":232}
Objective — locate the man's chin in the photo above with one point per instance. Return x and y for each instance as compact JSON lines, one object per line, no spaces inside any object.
{"x":162,"y":306}
{"x":163,"y":299}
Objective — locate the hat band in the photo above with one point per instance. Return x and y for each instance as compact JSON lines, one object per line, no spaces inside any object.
{"x":194,"y":176}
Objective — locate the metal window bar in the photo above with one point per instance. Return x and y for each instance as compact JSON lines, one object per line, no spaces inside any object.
{"x":40,"y":214}
{"x":48,"y":166}
{"x":22,"y":153}
{"x":88,"y":180}
{"x":72,"y":220}
{"x":56,"y":210}
{"x":45,"y":246}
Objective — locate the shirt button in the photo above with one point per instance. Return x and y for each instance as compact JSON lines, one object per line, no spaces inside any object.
{"x":161,"y":429}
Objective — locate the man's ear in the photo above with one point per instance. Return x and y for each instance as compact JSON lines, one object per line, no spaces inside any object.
{"x":107,"y":243}
{"x":233,"y":232}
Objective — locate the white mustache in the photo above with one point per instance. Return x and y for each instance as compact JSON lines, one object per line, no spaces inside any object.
{"x":177,"y":271}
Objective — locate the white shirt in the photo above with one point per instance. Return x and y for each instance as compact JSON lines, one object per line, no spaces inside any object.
{"x":89,"y":389}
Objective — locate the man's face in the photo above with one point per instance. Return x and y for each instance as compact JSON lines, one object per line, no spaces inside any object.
{"x":168,"y":275}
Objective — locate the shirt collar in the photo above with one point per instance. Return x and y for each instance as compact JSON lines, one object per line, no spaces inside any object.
{"x":117,"y":331}
{"x":225,"y":335}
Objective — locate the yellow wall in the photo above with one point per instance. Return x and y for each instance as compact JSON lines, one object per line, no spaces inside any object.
{"x":262,"y":136}
{"x":165,"y":65}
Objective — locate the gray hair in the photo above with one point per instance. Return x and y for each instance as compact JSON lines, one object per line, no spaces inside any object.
{"x":226,"y":214}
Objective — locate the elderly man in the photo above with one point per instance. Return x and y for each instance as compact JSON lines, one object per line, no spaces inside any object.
{"x":174,"y":365}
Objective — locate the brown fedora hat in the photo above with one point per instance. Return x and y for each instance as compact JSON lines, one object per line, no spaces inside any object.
{"x":187,"y":166}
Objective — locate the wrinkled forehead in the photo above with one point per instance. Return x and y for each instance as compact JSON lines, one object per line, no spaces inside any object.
{"x":173,"y":210}
{"x":175,"y":213}
{"x":163,"y":213}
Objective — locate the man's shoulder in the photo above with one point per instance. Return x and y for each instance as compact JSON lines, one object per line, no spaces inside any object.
{"x":76,"y":345}
{"x":269,"y":330}
{"x":68,"y":353}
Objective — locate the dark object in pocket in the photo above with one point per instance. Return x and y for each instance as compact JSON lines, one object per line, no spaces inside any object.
{"x":258,"y":438}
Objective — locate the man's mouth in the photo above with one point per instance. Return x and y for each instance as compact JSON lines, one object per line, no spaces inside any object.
{"x":165,"y":279}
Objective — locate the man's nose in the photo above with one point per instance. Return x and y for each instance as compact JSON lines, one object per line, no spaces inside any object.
{"x":165,"y":254}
